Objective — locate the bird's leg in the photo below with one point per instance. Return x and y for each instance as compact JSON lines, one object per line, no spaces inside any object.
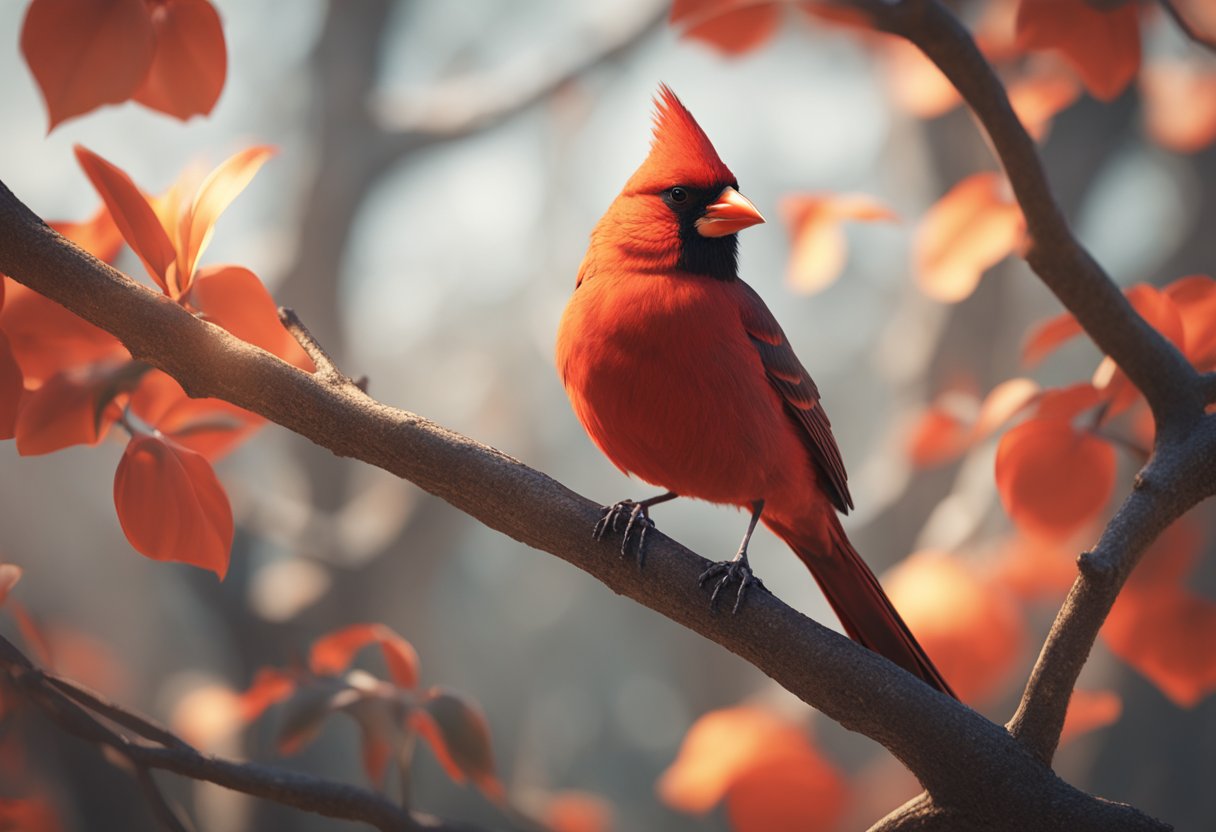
{"x":636,"y":516}
{"x":736,"y":569}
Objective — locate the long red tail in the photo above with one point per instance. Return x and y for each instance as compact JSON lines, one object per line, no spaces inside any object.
{"x":863,"y":608}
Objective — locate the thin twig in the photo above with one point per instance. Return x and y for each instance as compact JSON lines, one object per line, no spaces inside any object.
{"x":94,"y":702}
{"x":65,"y":705}
{"x":1182,"y":23}
{"x":326,"y":369}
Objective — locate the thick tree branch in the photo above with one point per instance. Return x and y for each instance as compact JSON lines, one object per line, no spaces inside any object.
{"x":962,"y":759}
{"x":75,"y":710}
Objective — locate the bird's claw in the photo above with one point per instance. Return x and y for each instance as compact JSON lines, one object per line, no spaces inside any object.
{"x":727,"y":572}
{"x":636,"y":518}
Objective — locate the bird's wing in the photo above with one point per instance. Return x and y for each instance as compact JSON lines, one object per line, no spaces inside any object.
{"x":796,"y":387}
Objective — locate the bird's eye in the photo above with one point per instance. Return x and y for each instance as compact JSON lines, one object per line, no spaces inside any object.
{"x":678,"y":194}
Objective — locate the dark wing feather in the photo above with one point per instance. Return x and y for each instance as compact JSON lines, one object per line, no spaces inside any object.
{"x":801,"y":396}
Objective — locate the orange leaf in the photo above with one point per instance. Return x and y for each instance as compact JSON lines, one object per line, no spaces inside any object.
{"x":1052,"y":478}
{"x":216,"y":192}
{"x":46,"y":339}
{"x":132,"y":214}
{"x":781,"y":796}
{"x":1179,"y":105}
{"x":1159,"y":311}
{"x":333,"y":653}
{"x":573,"y":811}
{"x":72,"y":408}
{"x":1068,"y":402}
{"x":97,"y":235}
{"x":10,"y":573}
{"x":270,"y":686}
{"x":188,"y":68}
{"x":971,"y":628}
{"x":459,"y":735}
{"x":1047,"y":336}
{"x":1039,"y":96}
{"x":235,"y":299}
{"x":937,"y":437}
{"x":1035,"y":568}
{"x":917,"y":86}
{"x":12,"y":388}
{"x":1166,"y":634}
{"x":84,"y":55}
{"x":730,"y":26}
{"x":375,"y":752}
{"x":211,"y":427}
{"x":1089,"y":711}
{"x":171,"y":506}
{"x":721,"y":747}
{"x":819,"y":243}
{"x":970,"y":229}
{"x":1102,"y":46}
{"x":1195,"y":298}
{"x":28,"y":814}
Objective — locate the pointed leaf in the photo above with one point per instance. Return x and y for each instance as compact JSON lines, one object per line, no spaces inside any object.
{"x":1047,"y":336}
{"x":171,"y":506}
{"x":270,"y":686}
{"x":84,"y":55}
{"x":188,"y":68}
{"x":1052,"y":478}
{"x":218,"y":190}
{"x":132,"y":214}
{"x":1101,"y":45}
{"x":1194,"y":297}
{"x":333,"y":653}
{"x":457,"y":731}
{"x":234,"y":298}
{"x":970,"y":229}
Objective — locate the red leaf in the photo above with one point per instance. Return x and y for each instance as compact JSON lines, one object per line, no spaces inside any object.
{"x":84,"y":55}
{"x":1166,"y":634}
{"x":211,"y":427}
{"x":188,"y":69}
{"x":235,"y":299}
{"x":573,"y":811}
{"x":333,"y":653}
{"x":270,"y":686}
{"x":1052,"y":478}
{"x":1102,"y":46}
{"x":458,"y":733}
{"x":937,"y":437}
{"x":171,"y":506}
{"x":216,"y":193}
{"x":9,"y":575}
{"x":971,"y":628}
{"x":1195,"y":298}
{"x":12,"y":388}
{"x":969,"y":230}
{"x":730,"y":26}
{"x":782,"y":796}
{"x":47,"y":339}
{"x":1068,"y":402}
{"x":133,"y":215}
{"x":815,"y":222}
{"x":1039,"y":96}
{"x":29,"y":814}
{"x":749,"y":756}
{"x":97,"y":235}
{"x":1089,"y":711}
{"x":1047,"y":336}
{"x":72,"y":408}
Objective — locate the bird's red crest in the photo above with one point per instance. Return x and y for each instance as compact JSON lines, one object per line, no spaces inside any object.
{"x":680,"y":152}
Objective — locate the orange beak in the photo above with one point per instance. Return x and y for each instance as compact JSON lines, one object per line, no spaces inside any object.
{"x":731,"y":213}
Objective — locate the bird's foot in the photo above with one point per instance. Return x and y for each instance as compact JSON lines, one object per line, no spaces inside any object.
{"x":725,"y":573}
{"x":636,"y":520}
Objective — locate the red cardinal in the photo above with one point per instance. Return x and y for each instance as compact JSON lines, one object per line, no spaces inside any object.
{"x":682,"y":376}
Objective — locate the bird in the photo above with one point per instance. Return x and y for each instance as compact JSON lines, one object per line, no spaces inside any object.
{"x":683,"y":378}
